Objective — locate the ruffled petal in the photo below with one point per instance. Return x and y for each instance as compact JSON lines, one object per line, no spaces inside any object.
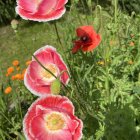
{"x":34,"y":70}
{"x":39,"y":90}
{"x":61,"y":3}
{"x":77,"y":46}
{"x":47,"y":6}
{"x":78,"y":132}
{"x":41,"y":18}
{"x":28,"y":5}
{"x":84,"y":30}
{"x":57,"y":102}
{"x":62,"y":67}
{"x":38,"y":129}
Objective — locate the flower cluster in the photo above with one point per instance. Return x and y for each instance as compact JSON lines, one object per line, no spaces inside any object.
{"x":15,"y":72}
{"x":51,"y":117}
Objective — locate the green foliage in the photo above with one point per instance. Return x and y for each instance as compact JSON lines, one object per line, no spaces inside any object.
{"x":130,"y":6}
{"x":7,"y":11}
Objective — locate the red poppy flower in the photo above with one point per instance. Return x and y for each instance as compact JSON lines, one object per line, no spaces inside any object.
{"x":52,"y":118}
{"x":88,"y":41}
{"x":41,"y":10}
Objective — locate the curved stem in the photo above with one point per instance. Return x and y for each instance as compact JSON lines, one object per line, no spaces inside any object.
{"x":55,"y":26}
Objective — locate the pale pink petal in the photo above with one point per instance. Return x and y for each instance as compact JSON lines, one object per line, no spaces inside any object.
{"x":62,"y":135}
{"x":28,"y":5}
{"x":61,"y":3}
{"x":44,"y":57}
{"x":38,"y":129}
{"x":46,"y":48}
{"x":78,"y":132}
{"x":41,"y":18}
{"x":39,"y":90}
{"x":34,"y":70}
{"x":58,"y":102}
{"x":47,"y":6}
{"x":62,"y":67}
{"x":72,"y":124}
{"x":40,"y":110}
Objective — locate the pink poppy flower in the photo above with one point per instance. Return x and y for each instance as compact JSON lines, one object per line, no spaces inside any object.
{"x":52,"y":118}
{"x":41,"y":10}
{"x":37,"y":80}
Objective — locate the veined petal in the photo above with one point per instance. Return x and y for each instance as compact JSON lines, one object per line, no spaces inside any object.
{"x":39,"y":90}
{"x":61,"y":3}
{"x":28,"y":5}
{"x":47,"y":6}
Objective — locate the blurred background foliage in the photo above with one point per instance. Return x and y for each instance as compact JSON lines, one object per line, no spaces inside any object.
{"x":7,"y":11}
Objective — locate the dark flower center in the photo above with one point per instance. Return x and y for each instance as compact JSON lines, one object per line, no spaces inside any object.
{"x":84,"y":38}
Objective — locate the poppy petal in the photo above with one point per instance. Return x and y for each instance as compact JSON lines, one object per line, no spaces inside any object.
{"x":61,"y":3}
{"x":28,"y":5}
{"x":41,"y":18}
{"x":47,"y":6}
{"x":39,"y":90}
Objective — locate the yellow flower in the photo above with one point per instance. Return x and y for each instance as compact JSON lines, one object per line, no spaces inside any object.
{"x":8,"y":90}
{"x":101,"y":62}
{"x":15,"y":63}
{"x":10,"y":70}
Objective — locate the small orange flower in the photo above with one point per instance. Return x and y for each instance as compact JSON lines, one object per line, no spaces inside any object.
{"x":10,"y":70}
{"x":131,"y":44}
{"x":8,"y":90}
{"x":15,"y":63}
{"x":28,"y":62}
{"x":22,"y":76}
{"x":18,"y":76}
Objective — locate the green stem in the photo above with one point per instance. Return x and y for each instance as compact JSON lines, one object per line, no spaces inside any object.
{"x":55,"y":26}
{"x":100,"y":17}
{"x":6,"y":118}
{"x":115,"y":10}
